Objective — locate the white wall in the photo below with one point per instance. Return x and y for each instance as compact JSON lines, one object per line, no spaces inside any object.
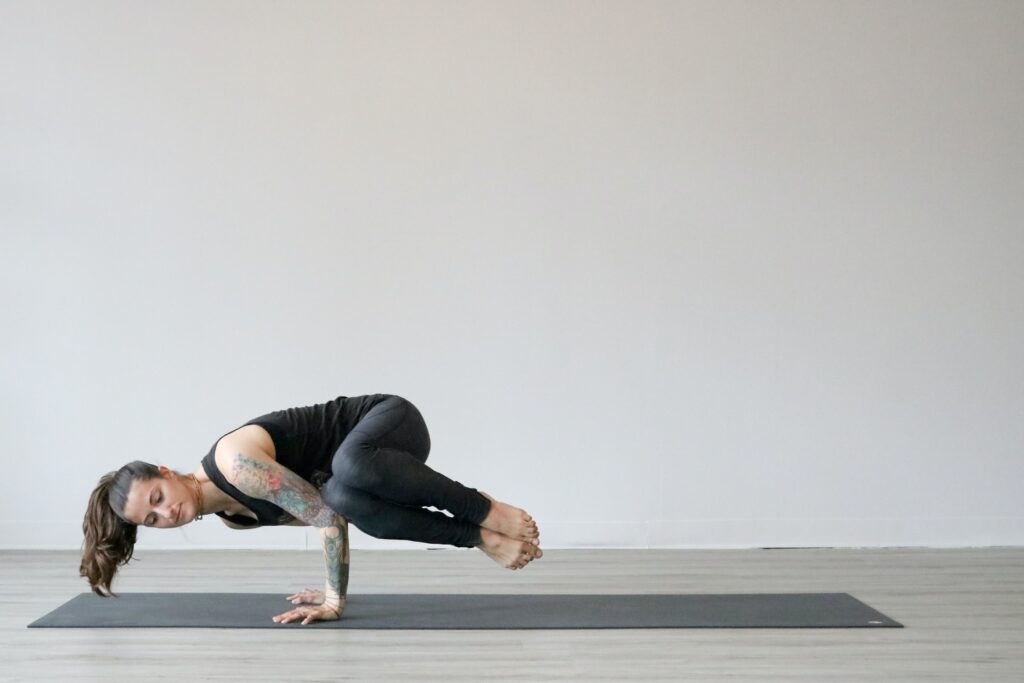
{"x":666,"y":274}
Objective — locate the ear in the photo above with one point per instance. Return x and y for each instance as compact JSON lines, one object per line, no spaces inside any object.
{"x":166,"y":472}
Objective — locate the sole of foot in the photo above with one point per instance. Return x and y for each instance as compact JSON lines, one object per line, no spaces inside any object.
{"x":508,"y":552}
{"x":511,"y":521}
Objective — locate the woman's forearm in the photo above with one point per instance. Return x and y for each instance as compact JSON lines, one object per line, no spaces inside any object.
{"x":260,"y":476}
{"x":336,"y":556}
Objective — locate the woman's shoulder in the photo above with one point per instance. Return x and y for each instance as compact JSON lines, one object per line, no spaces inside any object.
{"x":246,"y":443}
{"x":248,"y":438}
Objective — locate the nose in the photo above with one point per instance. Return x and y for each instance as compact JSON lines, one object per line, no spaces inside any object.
{"x":169,"y":513}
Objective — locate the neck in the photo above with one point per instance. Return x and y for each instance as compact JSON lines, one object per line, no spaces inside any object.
{"x":214,"y":500}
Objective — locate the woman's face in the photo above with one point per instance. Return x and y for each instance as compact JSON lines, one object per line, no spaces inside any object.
{"x":162,"y":502}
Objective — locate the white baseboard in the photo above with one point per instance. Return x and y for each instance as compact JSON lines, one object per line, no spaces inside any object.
{"x":823,"y":532}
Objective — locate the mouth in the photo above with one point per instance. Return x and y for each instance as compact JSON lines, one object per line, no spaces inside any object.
{"x":177,"y":513}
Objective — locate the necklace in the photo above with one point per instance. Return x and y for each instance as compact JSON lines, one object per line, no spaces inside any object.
{"x":199,"y":495}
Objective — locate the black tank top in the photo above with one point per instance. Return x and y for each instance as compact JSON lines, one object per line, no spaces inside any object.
{"x":305,"y":440}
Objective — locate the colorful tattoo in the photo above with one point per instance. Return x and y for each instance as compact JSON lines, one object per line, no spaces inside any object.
{"x":273,"y":482}
{"x":335,"y":541}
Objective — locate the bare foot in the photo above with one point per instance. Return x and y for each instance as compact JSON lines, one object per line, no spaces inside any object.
{"x":511,"y":521}
{"x":508,"y":552}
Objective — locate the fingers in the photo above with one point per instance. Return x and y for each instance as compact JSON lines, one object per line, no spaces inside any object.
{"x":308,"y":615}
{"x":291,"y":616}
{"x":305,"y":596}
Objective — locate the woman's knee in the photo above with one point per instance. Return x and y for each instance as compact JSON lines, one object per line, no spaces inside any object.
{"x":404,"y":425}
{"x":361,"y":509}
{"x":340,"y":499}
{"x":353,"y":466}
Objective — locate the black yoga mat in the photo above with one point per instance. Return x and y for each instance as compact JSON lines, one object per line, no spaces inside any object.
{"x":474,"y":611}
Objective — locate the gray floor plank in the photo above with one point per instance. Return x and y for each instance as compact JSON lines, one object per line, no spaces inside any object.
{"x":963,"y":611}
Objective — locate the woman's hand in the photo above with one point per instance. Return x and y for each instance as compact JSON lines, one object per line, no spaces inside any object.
{"x":307,"y":597}
{"x":311,"y":613}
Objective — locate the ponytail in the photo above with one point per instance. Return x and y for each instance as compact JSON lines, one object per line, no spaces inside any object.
{"x":109,"y":537}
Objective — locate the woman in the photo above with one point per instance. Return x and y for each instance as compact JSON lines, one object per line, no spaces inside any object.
{"x":358,"y":458}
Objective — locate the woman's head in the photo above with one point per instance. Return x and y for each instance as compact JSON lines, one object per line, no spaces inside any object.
{"x":137,"y":494}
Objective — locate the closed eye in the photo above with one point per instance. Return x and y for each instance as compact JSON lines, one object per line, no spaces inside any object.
{"x":159,"y":498}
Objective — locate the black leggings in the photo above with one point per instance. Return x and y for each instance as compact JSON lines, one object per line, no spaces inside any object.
{"x":380,"y":482}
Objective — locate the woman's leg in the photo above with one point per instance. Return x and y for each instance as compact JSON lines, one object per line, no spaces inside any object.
{"x":385,"y":456}
{"x":385,"y":519}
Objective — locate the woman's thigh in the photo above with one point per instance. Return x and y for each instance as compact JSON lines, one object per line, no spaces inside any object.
{"x":393,"y":423}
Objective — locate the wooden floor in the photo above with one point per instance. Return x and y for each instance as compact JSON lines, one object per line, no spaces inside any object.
{"x":963,"y":612}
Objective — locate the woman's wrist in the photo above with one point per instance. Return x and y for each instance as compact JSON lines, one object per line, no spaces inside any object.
{"x":335,"y":604}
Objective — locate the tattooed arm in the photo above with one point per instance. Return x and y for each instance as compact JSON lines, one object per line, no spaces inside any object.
{"x":258,"y":475}
{"x":335,"y":541}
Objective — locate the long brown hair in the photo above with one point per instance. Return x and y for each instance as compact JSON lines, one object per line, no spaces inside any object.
{"x":109,"y":537}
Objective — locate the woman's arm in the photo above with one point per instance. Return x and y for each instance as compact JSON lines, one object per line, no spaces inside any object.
{"x":335,"y":541}
{"x":258,"y":475}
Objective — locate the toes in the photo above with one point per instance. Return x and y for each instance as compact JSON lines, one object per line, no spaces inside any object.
{"x":529,"y":554}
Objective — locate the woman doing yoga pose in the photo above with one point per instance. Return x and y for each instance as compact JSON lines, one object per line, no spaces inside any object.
{"x":360,"y":458}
